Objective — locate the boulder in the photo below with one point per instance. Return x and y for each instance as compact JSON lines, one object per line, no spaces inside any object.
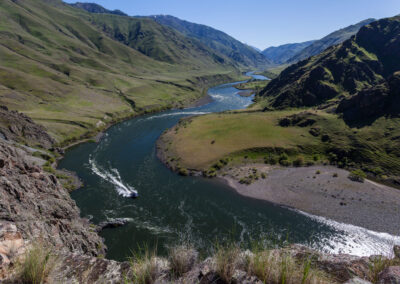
{"x":390,"y":275}
{"x":357,"y":280}
{"x":113,"y":223}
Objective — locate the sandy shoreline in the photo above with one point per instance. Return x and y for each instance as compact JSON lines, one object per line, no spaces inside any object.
{"x":369,"y":205}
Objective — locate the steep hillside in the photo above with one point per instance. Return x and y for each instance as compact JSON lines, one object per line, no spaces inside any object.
{"x":75,"y":72}
{"x":364,"y":61}
{"x":157,"y":41}
{"x":330,"y":40}
{"x":217,"y":40}
{"x":95,"y":8}
{"x":281,"y":54}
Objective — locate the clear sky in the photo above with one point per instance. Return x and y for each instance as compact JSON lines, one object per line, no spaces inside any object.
{"x":263,"y":23}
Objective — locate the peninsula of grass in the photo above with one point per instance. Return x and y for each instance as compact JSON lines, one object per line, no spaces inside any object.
{"x":256,"y":85}
{"x":287,"y":138}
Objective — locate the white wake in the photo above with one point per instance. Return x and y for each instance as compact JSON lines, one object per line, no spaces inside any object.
{"x":176,"y":113}
{"x":114,"y":178}
{"x":355,"y":240}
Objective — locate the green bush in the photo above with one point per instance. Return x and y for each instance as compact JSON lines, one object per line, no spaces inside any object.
{"x":299,"y":162}
{"x":284,"y":163}
{"x":357,"y":175}
{"x":183,"y":172}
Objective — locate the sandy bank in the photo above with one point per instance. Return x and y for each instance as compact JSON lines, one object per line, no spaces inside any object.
{"x":368,"y":204}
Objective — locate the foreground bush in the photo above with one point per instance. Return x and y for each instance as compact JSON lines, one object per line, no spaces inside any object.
{"x":36,"y":264}
{"x":274,"y":267}
{"x":144,"y":266}
{"x":182,"y":259}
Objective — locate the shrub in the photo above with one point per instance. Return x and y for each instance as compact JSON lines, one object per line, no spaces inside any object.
{"x":144,"y":266}
{"x":226,"y":261}
{"x":182,"y":259}
{"x":318,"y":172}
{"x":219,"y":165}
{"x":284,"y":163}
{"x":183,"y":172}
{"x":263,"y":175}
{"x":275,"y":267}
{"x":283,"y":157}
{"x":37,"y":264}
{"x":335,"y":175}
{"x":357,"y":175}
{"x":298,"y":162}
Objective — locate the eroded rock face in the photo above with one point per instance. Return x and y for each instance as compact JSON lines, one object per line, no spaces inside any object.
{"x":40,"y":208}
{"x":20,"y":128}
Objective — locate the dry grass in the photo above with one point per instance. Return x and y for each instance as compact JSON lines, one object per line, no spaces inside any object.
{"x":275,"y":267}
{"x":144,"y":266}
{"x":227,"y":259}
{"x":182,"y":259}
{"x":36,"y":264}
{"x":378,"y":264}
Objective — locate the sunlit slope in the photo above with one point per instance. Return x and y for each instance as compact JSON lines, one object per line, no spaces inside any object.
{"x":60,"y":67}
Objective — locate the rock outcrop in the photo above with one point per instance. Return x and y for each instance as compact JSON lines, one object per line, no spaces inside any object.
{"x":16,"y":126}
{"x":39,"y":207}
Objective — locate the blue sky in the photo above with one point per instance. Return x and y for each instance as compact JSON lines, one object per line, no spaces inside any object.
{"x":263,"y":23}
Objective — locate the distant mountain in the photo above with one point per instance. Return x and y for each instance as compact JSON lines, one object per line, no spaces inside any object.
{"x":95,"y":8}
{"x":361,"y":76}
{"x":217,"y":40}
{"x":330,"y":40}
{"x":256,"y":48}
{"x":281,"y":54}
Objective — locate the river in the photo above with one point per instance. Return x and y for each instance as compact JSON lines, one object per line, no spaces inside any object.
{"x":171,"y":208}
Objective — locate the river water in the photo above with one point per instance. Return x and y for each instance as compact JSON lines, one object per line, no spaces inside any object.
{"x":171,"y":209}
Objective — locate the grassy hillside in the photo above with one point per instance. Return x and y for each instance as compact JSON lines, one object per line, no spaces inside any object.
{"x":216,"y":40}
{"x":63,"y":67}
{"x":281,"y":54}
{"x":366,"y":60}
{"x":340,"y":107}
{"x":95,"y":8}
{"x":334,"y":38}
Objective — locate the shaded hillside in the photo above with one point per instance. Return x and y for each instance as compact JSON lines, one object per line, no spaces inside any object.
{"x":64,"y":67}
{"x":95,"y":8}
{"x":156,"y":41}
{"x":217,"y":40}
{"x":281,"y":54}
{"x":332,"y":39}
{"x":364,"y":61}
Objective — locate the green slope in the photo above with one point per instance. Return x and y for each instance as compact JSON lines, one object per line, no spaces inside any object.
{"x":95,"y":8}
{"x":61,"y":66}
{"x":216,"y":40}
{"x":364,"y":61}
{"x":341,"y":107}
{"x":334,"y":38}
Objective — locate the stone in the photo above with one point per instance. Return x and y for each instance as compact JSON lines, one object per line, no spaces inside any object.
{"x":390,"y":275}
{"x":113,"y":223}
{"x":396,"y":251}
{"x":357,"y":280}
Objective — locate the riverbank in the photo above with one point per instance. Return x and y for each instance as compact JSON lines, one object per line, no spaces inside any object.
{"x":323,"y":191}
